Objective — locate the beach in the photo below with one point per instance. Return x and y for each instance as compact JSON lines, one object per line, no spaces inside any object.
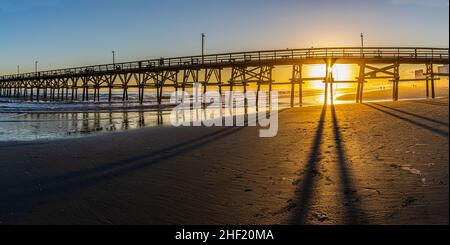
{"x":374,"y":163}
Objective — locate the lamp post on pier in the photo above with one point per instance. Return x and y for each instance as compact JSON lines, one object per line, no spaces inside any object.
{"x":203,"y":47}
{"x":114,"y":57}
{"x":362,"y":44}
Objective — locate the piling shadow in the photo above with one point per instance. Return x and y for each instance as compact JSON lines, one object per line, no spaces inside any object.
{"x":424,"y":126}
{"x":308,"y":185}
{"x":353,"y":213}
{"x":428,"y":102}
{"x":413,"y":115}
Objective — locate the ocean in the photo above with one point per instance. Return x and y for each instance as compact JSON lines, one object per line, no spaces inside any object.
{"x":28,"y":121}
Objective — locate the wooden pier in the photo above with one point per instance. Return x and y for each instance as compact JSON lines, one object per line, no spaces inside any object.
{"x":245,"y":68}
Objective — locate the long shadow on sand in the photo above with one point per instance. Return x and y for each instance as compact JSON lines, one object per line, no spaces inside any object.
{"x":432,"y":129}
{"x":308,"y":186}
{"x":436,"y":103}
{"x":19,"y":197}
{"x":413,"y":115}
{"x":353,"y":213}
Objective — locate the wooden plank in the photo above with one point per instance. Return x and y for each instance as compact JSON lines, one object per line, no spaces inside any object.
{"x":245,"y":83}
{"x":287,"y":83}
{"x":384,"y":77}
{"x":346,"y":82}
{"x":415,"y":79}
{"x":437,"y":74}
{"x":313,"y":79}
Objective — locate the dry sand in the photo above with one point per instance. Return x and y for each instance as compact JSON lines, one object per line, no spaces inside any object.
{"x":383,"y":163}
{"x":386,"y":94}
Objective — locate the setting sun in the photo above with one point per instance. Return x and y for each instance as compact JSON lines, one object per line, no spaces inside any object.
{"x":340,"y":73}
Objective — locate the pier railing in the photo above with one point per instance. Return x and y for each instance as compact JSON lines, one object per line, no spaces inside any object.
{"x":228,"y":59}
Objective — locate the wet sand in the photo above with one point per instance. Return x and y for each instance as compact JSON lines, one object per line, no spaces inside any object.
{"x":377,"y":163}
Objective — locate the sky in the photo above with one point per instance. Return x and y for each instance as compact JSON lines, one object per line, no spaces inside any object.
{"x":66,"y":33}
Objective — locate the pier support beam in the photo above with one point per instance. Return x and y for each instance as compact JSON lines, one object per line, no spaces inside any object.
{"x":170,"y":79}
{"x":213,"y":77}
{"x":361,"y":81}
{"x":243,"y":76}
{"x":125,"y":80}
{"x":329,"y":79}
{"x":97,"y":81}
{"x":396,"y":82}
{"x":368,"y":71}
{"x":85,"y":81}
{"x":190,"y":76}
{"x":140,"y":83}
{"x":297,"y":78}
{"x":31,"y":91}
{"x":110,"y":79}
{"x":431,"y":81}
